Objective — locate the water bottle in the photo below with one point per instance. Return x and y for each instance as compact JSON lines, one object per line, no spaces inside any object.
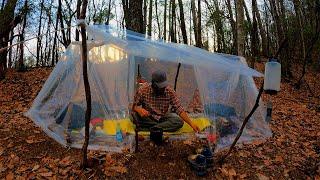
{"x":272,"y":77}
{"x":212,"y":138}
{"x":119,"y":137}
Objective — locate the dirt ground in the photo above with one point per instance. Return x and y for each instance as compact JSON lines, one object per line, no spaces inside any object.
{"x":293,"y":152}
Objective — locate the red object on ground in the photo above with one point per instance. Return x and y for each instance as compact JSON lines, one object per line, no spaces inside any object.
{"x":142,"y":81}
{"x":212,"y":138}
{"x":96,"y":121}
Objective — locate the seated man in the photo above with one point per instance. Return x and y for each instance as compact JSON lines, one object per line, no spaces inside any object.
{"x":151,"y":104}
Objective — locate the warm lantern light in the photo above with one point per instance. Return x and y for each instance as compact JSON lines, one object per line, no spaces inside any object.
{"x":110,"y":53}
{"x":272,"y":77}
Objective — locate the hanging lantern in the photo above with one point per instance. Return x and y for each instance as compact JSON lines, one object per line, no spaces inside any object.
{"x":272,"y":77}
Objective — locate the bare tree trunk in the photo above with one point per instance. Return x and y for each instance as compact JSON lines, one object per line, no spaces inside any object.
{"x":190,"y":28}
{"x":233,"y":27}
{"x":283,"y":14}
{"x":158,"y":21}
{"x":65,"y":39}
{"x":178,"y":31}
{"x":173,"y":20}
{"x":165,"y":21}
{"x":261,"y":29}
{"x":206,"y":44}
{"x":134,"y":16}
{"x":275,"y":15}
{"x":21,"y":37}
{"x":44,"y":58}
{"x":254,"y":34}
{"x":39,"y":39}
{"x":247,"y":13}
{"x":281,"y":38}
{"x":7,"y":23}
{"x":125,"y":6}
{"x":218,"y":25}
{"x":297,"y":7}
{"x":183,"y":24}
{"x":94,"y":19}
{"x":78,"y":16}
{"x":267,"y":30}
{"x":246,"y":32}
{"x":199,"y":41}
{"x":10,"y":50}
{"x":86,"y":85}
{"x":109,"y":12}
{"x":240,"y":28}
{"x":169,"y":20}
{"x":194,"y":19}
{"x":57,"y":52}
{"x":47,"y":44}
{"x":49,"y":35}
{"x":54,"y":48}
{"x":2,"y":5}
{"x":145,"y":7}
{"x":150,"y":18}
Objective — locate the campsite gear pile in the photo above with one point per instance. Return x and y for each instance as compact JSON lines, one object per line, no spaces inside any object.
{"x":222,"y":86}
{"x":202,"y":160}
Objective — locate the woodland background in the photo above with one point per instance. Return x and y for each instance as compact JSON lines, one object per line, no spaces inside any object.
{"x":288,"y":30}
{"x":285,"y":29}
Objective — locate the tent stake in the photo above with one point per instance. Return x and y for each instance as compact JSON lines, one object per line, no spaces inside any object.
{"x":256,"y":105}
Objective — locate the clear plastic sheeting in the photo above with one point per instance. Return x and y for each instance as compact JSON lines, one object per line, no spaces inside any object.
{"x":213,"y":86}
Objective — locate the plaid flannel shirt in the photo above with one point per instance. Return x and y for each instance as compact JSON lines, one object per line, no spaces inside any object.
{"x":157,"y":105}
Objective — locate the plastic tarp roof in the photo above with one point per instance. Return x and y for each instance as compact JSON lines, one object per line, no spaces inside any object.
{"x":215,"y":86}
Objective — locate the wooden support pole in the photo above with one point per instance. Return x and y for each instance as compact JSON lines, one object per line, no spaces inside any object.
{"x":84,"y":57}
{"x":177,"y":75}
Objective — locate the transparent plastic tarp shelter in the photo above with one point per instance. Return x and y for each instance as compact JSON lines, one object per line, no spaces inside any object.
{"x":217,"y":87}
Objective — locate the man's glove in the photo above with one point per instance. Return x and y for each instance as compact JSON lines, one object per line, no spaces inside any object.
{"x":142,"y":112}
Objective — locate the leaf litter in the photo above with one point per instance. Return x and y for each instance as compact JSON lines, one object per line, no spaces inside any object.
{"x":293,"y":151}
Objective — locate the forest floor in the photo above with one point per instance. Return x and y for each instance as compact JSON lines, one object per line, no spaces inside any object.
{"x":293,"y":152}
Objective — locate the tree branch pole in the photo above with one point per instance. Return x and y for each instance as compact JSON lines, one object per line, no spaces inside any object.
{"x":176,"y":78}
{"x":84,"y":57}
{"x":256,"y":105}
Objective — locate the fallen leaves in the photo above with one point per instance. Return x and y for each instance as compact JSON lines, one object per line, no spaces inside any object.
{"x":10,"y":176}
{"x":228,"y":172}
{"x":279,"y":159}
{"x":64,"y":172}
{"x":113,"y":167}
{"x":46,"y":174}
{"x":33,"y":139}
{"x":65,"y":162}
{"x":2,"y":168}
{"x":36,"y":167}
{"x":13,"y":160}
{"x":243,"y":154}
{"x":188,"y":142}
{"x":267,"y":162}
{"x":262,"y":177}
{"x":1,"y":151}
{"x":295,"y":127}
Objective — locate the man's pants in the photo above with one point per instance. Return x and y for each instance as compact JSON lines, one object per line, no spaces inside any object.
{"x":168,"y":123}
